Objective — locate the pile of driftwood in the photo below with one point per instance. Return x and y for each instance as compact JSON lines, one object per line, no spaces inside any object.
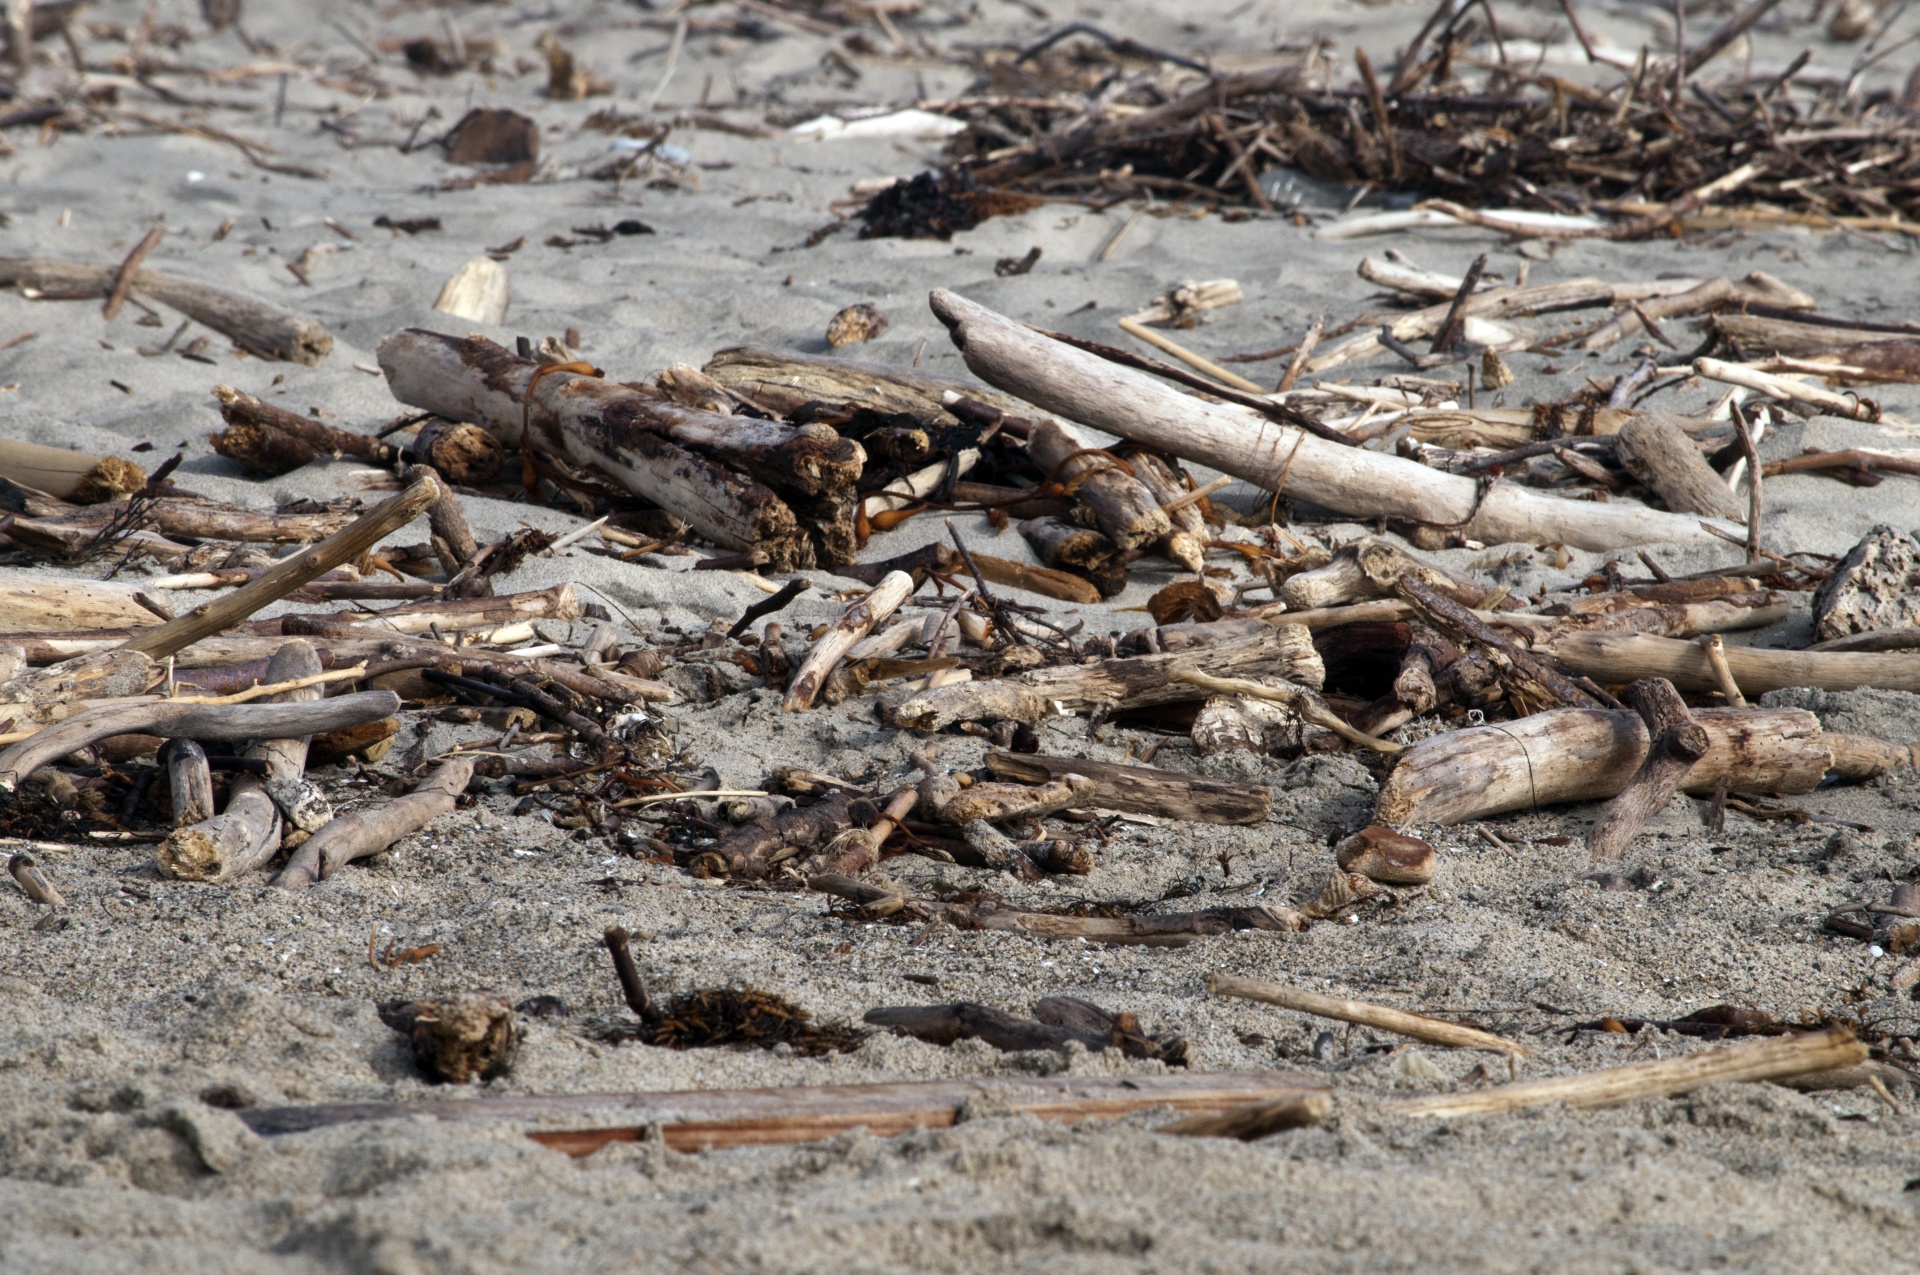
{"x":1630,"y":147}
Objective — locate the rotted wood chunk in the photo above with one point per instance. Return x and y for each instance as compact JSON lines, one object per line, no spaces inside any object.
{"x":458,"y":1039}
{"x":1144,"y":789}
{"x":1677,"y":742}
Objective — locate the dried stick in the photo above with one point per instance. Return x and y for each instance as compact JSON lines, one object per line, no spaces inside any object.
{"x":1775,"y":1059}
{"x":1295,"y":1111}
{"x":1752,"y":453}
{"x":854,"y":623}
{"x":1716,"y":650}
{"x":1309,"y":706}
{"x":123,"y":277}
{"x":240,"y":408}
{"x":1419,"y":1026}
{"x":366,"y":832}
{"x":632,"y":987}
{"x":1301,"y":354}
{"x":769,"y":606}
{"x":1677,"y":743}
{"x":1139,"y":330}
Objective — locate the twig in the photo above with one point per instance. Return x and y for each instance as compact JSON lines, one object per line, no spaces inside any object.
{"x":1716,"y":650}
{"x":1136,"y":329}
{"x":123,"y":277}
{"x":632,"y":988}
{"x":768,"y":606}
{"x":1752,"y":454}
{"x":1419,"y":1026}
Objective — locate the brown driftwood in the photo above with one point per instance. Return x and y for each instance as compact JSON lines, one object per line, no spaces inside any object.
{"x":1067,"y":546}
{"x":1114,"y":685}
{"x":69,"y":475}
{"x":1579,"y":754}
{"x":259,"y":326}
{"x":1659,"y":453}
{"x":289,"y":574}
{"x":1000,"y":803}
{"x":1619,"y":657}
{"x":62,"y":606}
{"x":273,"y":440}
{"x":462,"y":453}
{"x":984,"y":846}
{"x":854,"y":623}
{"x":755,"y":848}
{"x":458,"y":1039}
{"x":1186,"y":542}
{"x":1143,"y":789}
{"x":1381,"y":854}
{"x":1057,"y":1022}
{"x":655,"y":448}
{"x":1677,"y":743}
{"x":1061,"y":586}
{"x":190,"y":782}
{"x":370,"y":831}
{"x":784,"y":381}
{"x":192,"y":721}
{"x":1121,"y":505}
{"x":247,"y":833}
{"x":1163,"y":929}
{"x":172,"y":516}
{"x":1434,"y":1031}
{"x":451,"y":615}
{"x":1257,"y":1120}
{"x":1346,"y":479}
{"x":713,"y":1119}
{"x":1302,"y":702}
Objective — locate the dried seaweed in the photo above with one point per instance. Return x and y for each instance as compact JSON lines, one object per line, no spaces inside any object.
{"x":743,"y":1017}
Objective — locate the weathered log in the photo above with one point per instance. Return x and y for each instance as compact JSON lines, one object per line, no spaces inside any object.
{"x":1342,"y":579}
{"x":259,"y":326}
{"x":1619,"y":657}
{"x":1758,"y":288}
{"x":784,"y":381}
{"x":1302,"y":702}
{"x":69,"y":475}
{"x":854,"y":623}
{"x":1067,"y":546}
{"x":1122,"y":506}
{"x":1186,"y":542}
{"x":634,"y":438}
{"x":95,"y":674}
{"x":188,"y":519}
{"x":464,"y":454}
{"x":1580,"y":754}
{"x":1346,"y":479}
{"x":1003,"y":803}
{"x":1143,"y":789}
{"x":289,"y":574}
{"x":247,"y":833}
{"x":451,"y":615}
{"x":1677,"y":743}
{"x":62,"y":606}
{"x":1825,"y":401}
{"x":190,"y":782}
{"x":1434,"y":1031}
{"x":1237,"y":722}
{"x":251,"y":423}
{"x":1658,"y":452}
{"x":173,"y":720}
{"x":370,"y":831}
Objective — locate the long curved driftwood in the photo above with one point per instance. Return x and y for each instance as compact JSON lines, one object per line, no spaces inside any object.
{"x":1583,"y":754}
{"x":1350,"y":480}
{"x":1621,"y":657}
{"x":366,"y":832}
{"x":192,"y":721}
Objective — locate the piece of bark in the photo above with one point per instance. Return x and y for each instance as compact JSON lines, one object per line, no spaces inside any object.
{"x":190,"y":781}
{"x":1434,"y":1031}
{"x":478,"y":292}
{"x":464,"y":454}
{"x":289,"y":574}
{"x":259,"y":326}
{"x":247,"y":833}
{"x":80,"y":477}
{"x":240,"y":409}
{"x":1345,"y":479}
{"x":1121,"y":505}
{"x":372,"y":830}
{"x":1381,"y":854}
{"x":1579,"y":754}
{"x":1611,"y":658}
{"x":1143,"y":789}
{"x":854,"y":623}
{"x":453,"y":540}
{"x":1659,"y":453}
{"x":645,"y":443}
{"x":457,"y":1039}
{"x":174,"y":720}
{"x":63,"y":606}
{"x":1876,"y":586}
{"x":1186,"y":540}
{"x":1677,"y":742}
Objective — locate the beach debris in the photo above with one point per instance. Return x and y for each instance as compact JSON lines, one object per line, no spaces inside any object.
{"x":1057,"y":1022}
{"x":493,"y":136}
{"x":477,"y":291}
{"x":1893,"y":926}
{"x":1142,"y":790}
{"x":1389,"y":857}
{"x":32,"y":880}
{"x":459,"y":1039}
{"x":361,"y":833}
{"x":860,"y":322}
{"x":63,"y":474}
{"x":1420,"y":1027}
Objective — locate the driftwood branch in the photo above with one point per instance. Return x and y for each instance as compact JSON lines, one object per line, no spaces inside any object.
{"x":1143,"y":789}
{"x":1419,"y":1026}
{"x":854,"y":623}
{"x":367,"y":832}
{"x":1677,"y":743}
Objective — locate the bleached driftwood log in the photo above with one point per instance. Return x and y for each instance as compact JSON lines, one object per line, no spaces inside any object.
{"x":1582,"y":754}
{"x":646,"y":443}
{"x":63,"y":606}
{"x":854,"y":623}
{"x":1349,"y":480}
{"x":369,"y":831}
{"x":1121,"y":504}
{"x":1619,"y":657}
{"x":190,"y":782}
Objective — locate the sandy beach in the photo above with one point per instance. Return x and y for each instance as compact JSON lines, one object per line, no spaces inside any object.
{"x":136,"y":1022}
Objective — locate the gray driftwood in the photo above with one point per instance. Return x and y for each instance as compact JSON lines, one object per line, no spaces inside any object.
{"x":367,"y":832}
{"x":1677,"y":742}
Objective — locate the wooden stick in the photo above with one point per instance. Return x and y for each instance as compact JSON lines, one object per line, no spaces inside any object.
{"x":370,"y":831}
{"x":1754,"y":474}
{"x":1062,"y":586}
{"x":1144,"y":789}
{"x":1610,"y":658}
{"x":123,"y":276}
{"x":190,"y":780}
{"x":854,"y":623}
{"x":289,"y":574}
{"x":1140,"y":330}
{"x":194,"y":721}
{"x":1309,"y":706}
{"x":1678,"y":742}
{"x":260,"y":326}
{"x":247,"y":833}
{"x":1852,"y":407}
{"x":242,"y":409}
{"x":34,"y":882}
{"x":1716,"y":650}
{"x":1432,"y":1030}
{"x":1347,"y":479}
{"x":1775,"y":1059}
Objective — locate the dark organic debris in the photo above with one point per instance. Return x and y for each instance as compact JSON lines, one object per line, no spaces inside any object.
{"x":935,"y":206}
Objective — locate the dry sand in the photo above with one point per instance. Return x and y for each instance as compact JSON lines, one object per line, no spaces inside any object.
{"x":148,"y":998}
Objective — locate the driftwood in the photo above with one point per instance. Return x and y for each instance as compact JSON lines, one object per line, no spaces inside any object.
{"x":462,"y":453}
{"x":1419,"y":1026}
{"x":368,"y":832}
{"x":247,"y":833}
{"x":259,"y":326}
{"x":190,"y":782}
{"x":1057,"y":1022}
{"x":1121,"y":505}
{"x":1186,"y":542}
{"x":1257,"y":1120}
{"x":713,"y":1119}
{"x":1062,"y":586}
{"x":942,"y":798}
{"x":1303,"y":703}
{"x":1618,"y":657}
{"x":457,"y":1039}
{"x":655,"y":448}
{"x":1658,"y":452}
{"x":1381,"y":854}
{"x":71,"y":532}
{"x":1588,"y":754}
{"x":450,"y":615}
{"x":62,"y":606}
{"x":69,"y":475}
{"x":1876,"y":587}
{"x":1349,"y":480}
{"x":755,"y":848}
{"x":1067,"y":546}
{"x":854,"y":623}
{"x":784,"y":381}
{"x":273,"y":440}
{"x":173,"y":720}
{"x":1343,"y":579}
{"x":1143,"y":789}
{"x":289,"y":574}
{"x":1164,"y":929}
{"x":1677,"y":742}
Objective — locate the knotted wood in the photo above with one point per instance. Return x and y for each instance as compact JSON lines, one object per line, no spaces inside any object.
{"x":1677,"y":743}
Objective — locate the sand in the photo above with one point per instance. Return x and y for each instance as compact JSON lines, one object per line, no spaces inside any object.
{"x":132,"y":1024}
